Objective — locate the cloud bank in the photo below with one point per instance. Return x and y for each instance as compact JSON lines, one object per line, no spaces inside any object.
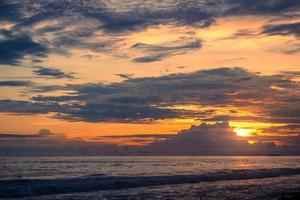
{"x":204,"y":139}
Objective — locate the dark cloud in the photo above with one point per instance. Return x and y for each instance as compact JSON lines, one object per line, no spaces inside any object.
{"x":25,"y":107}
{"x":9,"y":11}
{"x":95,"y":112}
{"x":133,"y":140}
{"x":116,"y":17}
{"x":14,"y":48}
{"x":7,"y":136}
{"x":283,"y":29}
{"x":257,"y":7}
{"x":110,"y":19}
{"x":41,"y":133}
{"x":138,"y":136}
{"x":203,"y":139}
{"x":211,"y":139}
{"x":142,"y":100}
{"x":15,"y":83}
{"x":47,"y":143}
{"x":53,"y":73}
{"x":97,"y":25}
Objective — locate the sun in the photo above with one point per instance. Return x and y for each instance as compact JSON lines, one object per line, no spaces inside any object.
{"x":243,"y":132}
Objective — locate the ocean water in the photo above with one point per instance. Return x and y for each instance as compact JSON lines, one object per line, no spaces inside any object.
{"x":150,"y":177}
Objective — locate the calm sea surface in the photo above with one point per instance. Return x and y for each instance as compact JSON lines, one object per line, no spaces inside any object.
{"x":149,"y":177}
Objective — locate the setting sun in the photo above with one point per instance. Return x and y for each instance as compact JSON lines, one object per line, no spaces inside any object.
{"x":243,"y":132}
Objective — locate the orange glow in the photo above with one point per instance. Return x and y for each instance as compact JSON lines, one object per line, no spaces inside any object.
{"x":251,"y":142}
{"x":243,"y":132}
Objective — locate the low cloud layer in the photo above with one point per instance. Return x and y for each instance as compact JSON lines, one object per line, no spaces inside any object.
{"x":47,"y":143}
{"x":216,"y":139}
{"x":204,"y":139}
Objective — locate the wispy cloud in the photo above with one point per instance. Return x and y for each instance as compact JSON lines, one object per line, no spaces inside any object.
{"x":283,"y":29}
{"x":158,"y":52}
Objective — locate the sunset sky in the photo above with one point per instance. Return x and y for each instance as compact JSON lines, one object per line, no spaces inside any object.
{"x":156,"y":74}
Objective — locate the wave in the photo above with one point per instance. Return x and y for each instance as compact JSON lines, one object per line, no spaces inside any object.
{"x":35,"y":187}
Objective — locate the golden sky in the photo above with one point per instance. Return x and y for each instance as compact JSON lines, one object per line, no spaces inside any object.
{"x":158,"y":67}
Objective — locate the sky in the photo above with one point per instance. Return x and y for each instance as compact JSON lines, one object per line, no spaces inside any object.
{"x":168,"y":77}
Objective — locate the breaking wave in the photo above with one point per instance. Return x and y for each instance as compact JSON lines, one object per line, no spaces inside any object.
{"x":96,"y":182}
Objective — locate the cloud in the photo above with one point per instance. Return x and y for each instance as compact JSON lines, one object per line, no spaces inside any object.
{"x":44,"y":132}
{"x":125,"y":76}
{"x":15,"y":83}
{"x":14,"y":48}
{"x":41,"y":133}
{"x":242,"y":33}
{"x":9,"y":11}
{"x":203,"y":139}
{"x":257,"y":7}
{"x":133,"y":140}
{"x":152,"y":98}
{"x":290,"y":48}
{"x":283,"y":29}
{"x":158,"y":52}
{"x":117,"y":17}
{"x":16,"y":136}
{"x":25,"y":107}
{"x":230,"y":94}
{"x":47,"y":143}
{"x":211,"y":139}
{"x":53,"y":73}
{"x":62,"y":26}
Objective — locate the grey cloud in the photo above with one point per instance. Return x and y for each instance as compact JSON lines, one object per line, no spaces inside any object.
{"x":25,"y":107}
{"x":15,"y":83}
{"x":41,"y":133}
{"x":142,"y":100}
{"x":209,"y":139}
{"x":139,"y":136}
{"x":14,"y":48}
{"x":47,"y":143}
{"x":54,"y":73}
{"x":8,"y":136}
{"x":218,"y":87}
{"x":113,"y":19}
{"x":257,"y":7}
{"x":9,"y":11}
{"x":158,"y":52}
{"x":95,"y":112}
{"x":132,"y":15}
{"x":283,"y":29}
{"x":203,"y":139}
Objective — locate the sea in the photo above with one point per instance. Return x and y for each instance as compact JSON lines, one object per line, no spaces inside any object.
{"x":170,"y":177}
